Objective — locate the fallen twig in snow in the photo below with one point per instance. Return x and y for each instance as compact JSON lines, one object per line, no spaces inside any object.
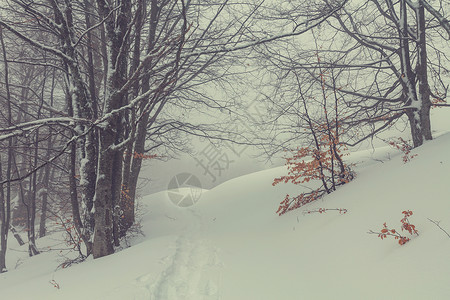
{"x":439,"y":226}
{"x":323,"y":210}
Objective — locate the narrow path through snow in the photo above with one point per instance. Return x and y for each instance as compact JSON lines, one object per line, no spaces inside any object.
{"x":193,"y":271}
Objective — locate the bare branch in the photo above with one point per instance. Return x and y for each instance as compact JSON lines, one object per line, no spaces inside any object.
{"x":439,"y":226}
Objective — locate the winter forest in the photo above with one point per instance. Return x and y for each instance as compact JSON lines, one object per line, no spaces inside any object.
{"x":332,"y":112}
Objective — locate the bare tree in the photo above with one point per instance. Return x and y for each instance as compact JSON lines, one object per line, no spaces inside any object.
{"x":131,"y":70}
{"x":387,"y":66}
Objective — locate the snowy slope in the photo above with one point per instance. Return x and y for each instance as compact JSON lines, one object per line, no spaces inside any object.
{"x":232,"y":245}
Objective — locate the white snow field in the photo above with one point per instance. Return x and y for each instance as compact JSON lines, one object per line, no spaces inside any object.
{"x":231,"y":244}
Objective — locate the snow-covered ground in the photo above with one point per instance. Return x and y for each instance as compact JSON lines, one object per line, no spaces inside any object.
{"x":232,"y":245}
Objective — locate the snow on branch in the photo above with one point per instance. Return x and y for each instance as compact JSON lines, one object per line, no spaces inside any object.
{"x":442,"y":20}
{"x":28,"y":126}
{"x":37,"y":44}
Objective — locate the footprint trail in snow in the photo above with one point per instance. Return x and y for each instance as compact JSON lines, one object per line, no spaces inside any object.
{"x":193,"y":271}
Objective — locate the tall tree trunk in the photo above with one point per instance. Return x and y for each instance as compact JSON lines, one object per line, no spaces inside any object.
{"x":140,"y":135}
{"x":91,"y":65}
{"x":32,"y":249}
{"x":46,"y":179}
{"x":422,"y":72}
{"x":45,"y":185}
{"x":103,"y":230}
{"x":83,"y":106}
{"x":127,"y":202}
{"x":82,"y":229}
{"x":89,"y":163}
{"x":408,"y":78}
{"x":88,"y":175}
{"x":139,"y":147}
{"x":3,"y":228}
{"x":74,"y":199}
{"x":5,"y":200}
{"x":116,"y":185}
{"x":109,"y":179}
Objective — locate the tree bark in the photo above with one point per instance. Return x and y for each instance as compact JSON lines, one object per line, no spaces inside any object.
{"x":109,"y":177}
{"x":141,"y":130}
{"x":5,"y":200}
{"x":46,"y":186}
{"x":32,"y":248}
{"x":422,"y":72}
{"x":3,"y":228}
{"x":408,"y":78}
{"x":103,"y":230}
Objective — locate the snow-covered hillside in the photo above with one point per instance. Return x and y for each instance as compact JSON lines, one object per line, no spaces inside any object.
{"x":232,"y":245}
